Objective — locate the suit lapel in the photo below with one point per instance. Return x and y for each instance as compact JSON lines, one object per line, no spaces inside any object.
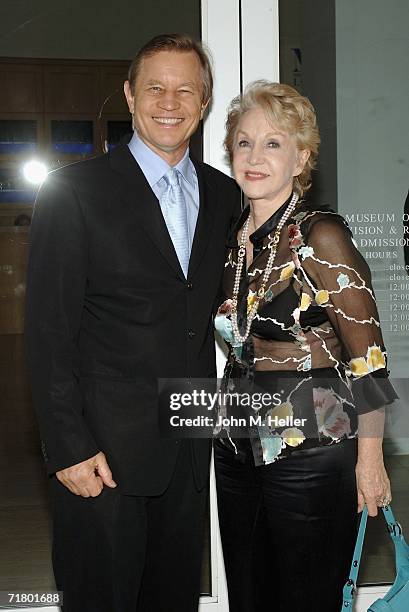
{"x":142,"y":203}
{"x":205,"y":220}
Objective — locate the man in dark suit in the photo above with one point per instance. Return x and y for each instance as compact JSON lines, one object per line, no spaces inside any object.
{"x":127,"y":252}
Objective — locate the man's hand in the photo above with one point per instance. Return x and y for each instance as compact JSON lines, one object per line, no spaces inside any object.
{"x":88,"y":477}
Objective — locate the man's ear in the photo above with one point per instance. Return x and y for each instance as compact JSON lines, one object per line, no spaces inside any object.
{"x":203,"y":109}
{"x":129,"y":96}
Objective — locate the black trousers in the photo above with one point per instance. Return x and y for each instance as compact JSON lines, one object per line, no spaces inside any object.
{"x":118,"y":553}
{"x":288,"y":529}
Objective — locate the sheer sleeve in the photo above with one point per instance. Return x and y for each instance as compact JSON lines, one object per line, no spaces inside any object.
{"x":341,"y":282}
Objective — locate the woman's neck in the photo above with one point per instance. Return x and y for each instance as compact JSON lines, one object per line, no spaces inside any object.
{"x":262,"y":210}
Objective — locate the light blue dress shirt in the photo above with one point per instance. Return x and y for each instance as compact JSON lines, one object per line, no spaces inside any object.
{"x":154,"y":167}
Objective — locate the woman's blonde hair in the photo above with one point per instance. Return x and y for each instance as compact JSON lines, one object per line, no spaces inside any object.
{"x":287,"y":110}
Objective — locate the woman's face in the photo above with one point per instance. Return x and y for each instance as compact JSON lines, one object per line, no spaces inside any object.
{"x":265,"y":159}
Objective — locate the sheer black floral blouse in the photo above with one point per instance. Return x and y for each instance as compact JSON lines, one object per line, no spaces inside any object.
{"x":315,"y":344}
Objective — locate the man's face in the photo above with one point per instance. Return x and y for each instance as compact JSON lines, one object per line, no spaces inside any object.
{"x":167,"y":102}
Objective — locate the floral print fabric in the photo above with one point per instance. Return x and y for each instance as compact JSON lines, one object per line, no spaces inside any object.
{"x":316,"y":339}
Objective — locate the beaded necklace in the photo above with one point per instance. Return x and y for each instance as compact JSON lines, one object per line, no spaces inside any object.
{"x":238,"y":337}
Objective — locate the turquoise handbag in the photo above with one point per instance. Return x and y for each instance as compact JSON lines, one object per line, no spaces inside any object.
{"x":397,"y":598}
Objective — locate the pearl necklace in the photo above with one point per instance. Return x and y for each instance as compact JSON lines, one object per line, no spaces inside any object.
{"x":266,"y":275}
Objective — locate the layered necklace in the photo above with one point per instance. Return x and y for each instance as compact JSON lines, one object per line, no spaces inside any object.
{"x":238,"y":337}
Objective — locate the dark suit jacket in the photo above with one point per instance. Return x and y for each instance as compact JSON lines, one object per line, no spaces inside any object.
{"x":109,"y":312}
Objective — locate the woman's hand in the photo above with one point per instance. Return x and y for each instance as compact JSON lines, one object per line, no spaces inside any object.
{"x":374,"y":488}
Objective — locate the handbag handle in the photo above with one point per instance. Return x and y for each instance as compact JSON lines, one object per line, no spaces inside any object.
{"x":395,"y":531}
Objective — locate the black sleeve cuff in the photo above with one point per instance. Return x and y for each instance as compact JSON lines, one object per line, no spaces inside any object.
{"x":373,"y":391}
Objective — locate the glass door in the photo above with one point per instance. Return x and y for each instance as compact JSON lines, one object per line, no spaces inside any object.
{"x":349,"y":58}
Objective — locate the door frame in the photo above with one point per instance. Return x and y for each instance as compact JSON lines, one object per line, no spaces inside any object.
{"x":229,"y":29}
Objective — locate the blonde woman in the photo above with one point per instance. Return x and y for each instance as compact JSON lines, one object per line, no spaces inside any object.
{"x":301,"y":322}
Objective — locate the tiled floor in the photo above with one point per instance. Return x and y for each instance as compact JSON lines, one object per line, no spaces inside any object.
{"x":24,"y":504}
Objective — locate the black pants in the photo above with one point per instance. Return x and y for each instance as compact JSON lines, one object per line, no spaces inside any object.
{"x":117,"y":553}
{"x":288,"y":529}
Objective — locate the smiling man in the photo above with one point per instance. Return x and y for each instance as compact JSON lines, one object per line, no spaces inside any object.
{"x":126,"y":257}
{"x":167,"y":96}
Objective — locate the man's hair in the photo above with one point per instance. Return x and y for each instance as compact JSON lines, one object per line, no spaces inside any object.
{"x":182,"y":43}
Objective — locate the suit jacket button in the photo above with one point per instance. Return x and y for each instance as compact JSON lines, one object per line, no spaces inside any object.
{"x":191,"y":334}
{"x":189,"y":285}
